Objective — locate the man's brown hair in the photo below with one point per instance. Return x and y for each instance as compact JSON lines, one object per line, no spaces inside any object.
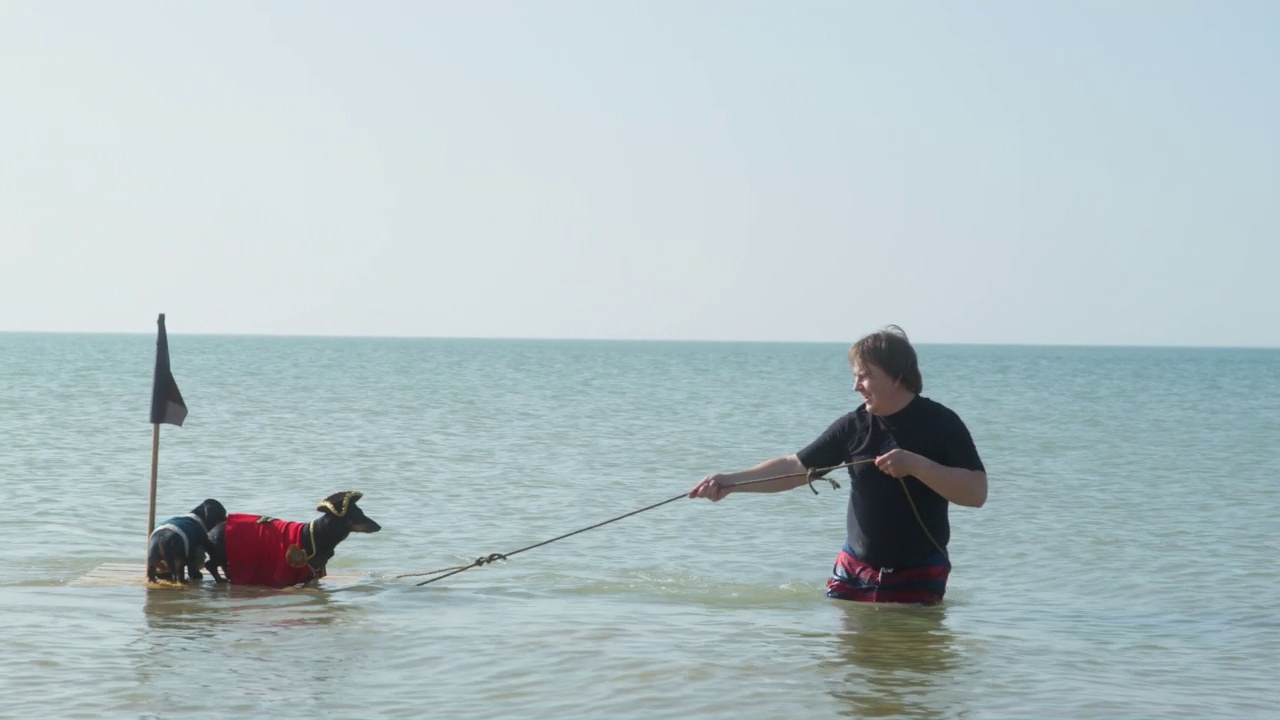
{"x":889,"y":350}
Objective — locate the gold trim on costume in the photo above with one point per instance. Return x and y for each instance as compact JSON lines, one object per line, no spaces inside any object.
{"x":347,"y":499}
{"x":296,"y":556}
{"x":311,"y":528}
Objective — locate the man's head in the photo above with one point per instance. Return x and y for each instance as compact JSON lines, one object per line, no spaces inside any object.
{"x":885,"y":370}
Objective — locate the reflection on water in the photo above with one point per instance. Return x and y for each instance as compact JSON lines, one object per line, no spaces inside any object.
{"x":196,"y":612}
{"x":895,"y":661}
{"x":222,"y":637}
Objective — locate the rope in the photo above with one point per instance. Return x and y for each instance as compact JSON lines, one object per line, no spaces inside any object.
{"x":809,"y":475}
{"x":920,"y":520}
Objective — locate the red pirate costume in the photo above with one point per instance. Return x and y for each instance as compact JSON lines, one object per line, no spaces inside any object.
{"x":265,"y":551}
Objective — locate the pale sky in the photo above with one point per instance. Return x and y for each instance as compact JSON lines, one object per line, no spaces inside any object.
{"x":1004,"y":172}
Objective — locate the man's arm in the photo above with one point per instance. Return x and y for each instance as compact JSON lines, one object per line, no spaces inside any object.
{"x":960,"y":486}
{"x":716,"y":487}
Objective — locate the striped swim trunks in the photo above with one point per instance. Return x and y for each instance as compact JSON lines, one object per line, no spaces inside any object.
{"x":852,"y":579}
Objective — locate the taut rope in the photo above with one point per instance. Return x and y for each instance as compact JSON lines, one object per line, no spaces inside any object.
{"x":810,"y":475}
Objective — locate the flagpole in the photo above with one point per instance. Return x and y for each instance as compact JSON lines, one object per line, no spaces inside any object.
{"x":155,"y":466}
{"x":166,"y":407}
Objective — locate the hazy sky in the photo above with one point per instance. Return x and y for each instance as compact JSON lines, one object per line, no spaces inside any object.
{"x":1019,"y":172}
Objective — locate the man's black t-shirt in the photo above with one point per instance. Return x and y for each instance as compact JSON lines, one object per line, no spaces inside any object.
{"x":882,"y":529}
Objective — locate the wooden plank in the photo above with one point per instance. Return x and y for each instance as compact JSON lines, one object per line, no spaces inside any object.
{"x":129,"y":574}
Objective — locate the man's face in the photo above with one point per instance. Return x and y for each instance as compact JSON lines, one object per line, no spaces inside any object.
{"x":875,"y":387}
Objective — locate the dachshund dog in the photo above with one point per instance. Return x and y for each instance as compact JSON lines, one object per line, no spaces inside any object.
{"x":177,"y":547}
{"x":259,"y":550}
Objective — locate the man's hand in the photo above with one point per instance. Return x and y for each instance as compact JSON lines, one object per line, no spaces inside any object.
{"x":712,"y":487}
{"x":900,"y":463}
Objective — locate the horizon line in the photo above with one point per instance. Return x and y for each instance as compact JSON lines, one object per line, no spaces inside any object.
{"x":500,"y":338}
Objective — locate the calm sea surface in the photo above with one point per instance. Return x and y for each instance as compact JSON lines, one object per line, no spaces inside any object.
{"x":1124,"y":566}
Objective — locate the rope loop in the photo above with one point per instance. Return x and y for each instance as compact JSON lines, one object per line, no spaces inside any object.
{"x":817,"y":474}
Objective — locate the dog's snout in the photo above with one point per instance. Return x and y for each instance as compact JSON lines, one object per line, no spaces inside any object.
{"x":366,"y":526}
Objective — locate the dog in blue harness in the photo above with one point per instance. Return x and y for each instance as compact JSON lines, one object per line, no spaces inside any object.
{"x":178,"y":545}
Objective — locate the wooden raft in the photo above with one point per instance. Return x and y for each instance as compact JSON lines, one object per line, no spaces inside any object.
{"x":130,"y":574}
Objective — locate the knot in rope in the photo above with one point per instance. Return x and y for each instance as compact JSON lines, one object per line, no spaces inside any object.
{"x":486,"y":559}
{"x":817,"y":474}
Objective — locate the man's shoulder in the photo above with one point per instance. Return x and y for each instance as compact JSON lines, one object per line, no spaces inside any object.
{"x":856,"y":417}
{"x":843,"y":425}
{"x":934,"y":409}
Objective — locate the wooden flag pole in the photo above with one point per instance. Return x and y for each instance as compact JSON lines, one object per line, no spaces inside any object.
{"x":155,"y":466}
{"x":166,"y":407}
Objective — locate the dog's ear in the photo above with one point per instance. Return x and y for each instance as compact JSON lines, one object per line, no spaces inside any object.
{"x":214,"y":511}
{"x":337,"y":503}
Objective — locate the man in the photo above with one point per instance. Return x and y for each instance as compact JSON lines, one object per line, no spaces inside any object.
{"x":908,"y":458}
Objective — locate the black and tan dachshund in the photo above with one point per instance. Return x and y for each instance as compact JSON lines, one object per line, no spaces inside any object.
{"x":178,"y":546}
{"x":259,"y":550}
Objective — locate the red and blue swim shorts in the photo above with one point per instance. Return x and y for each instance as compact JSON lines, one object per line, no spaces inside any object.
{"x":852,"y":579}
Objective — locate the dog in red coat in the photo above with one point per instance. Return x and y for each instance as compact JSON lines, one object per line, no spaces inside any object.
{"x":260,"y":550}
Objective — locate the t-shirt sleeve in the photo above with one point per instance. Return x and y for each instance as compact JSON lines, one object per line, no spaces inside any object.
{"x":961,"y":452}
{"x":831,"y":447}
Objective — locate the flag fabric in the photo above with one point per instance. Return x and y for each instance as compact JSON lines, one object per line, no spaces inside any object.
{"x":166,"y":402}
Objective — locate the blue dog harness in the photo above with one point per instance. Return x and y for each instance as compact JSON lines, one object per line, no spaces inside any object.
{"x":188,"y":526}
